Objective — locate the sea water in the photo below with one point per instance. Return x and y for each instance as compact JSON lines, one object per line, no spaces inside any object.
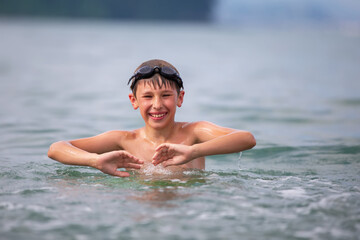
{"x":297,"y":90}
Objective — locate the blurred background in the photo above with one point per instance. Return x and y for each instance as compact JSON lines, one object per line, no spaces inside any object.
{"x":211,"y":11}
{"x":288,"y":57}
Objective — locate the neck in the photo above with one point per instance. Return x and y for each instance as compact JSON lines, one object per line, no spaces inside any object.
{"x":158,"y":136}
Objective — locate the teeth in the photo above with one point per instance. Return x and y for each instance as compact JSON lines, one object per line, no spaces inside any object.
{"x":158,"y":115}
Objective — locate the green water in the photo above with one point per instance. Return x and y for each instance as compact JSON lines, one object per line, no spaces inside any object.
{"x":297,"y":90}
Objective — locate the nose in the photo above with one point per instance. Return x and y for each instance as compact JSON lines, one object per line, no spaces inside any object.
{"x":157,"y":102}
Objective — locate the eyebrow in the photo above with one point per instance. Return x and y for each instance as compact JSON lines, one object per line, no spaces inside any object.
{"x":167,"y":91}
{"x":161,"y":91}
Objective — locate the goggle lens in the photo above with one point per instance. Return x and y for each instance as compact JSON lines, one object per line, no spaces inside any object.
{"x":144,"y":70}
{"x":168,"y":71}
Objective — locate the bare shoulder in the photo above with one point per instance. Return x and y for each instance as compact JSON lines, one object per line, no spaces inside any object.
{"x":104,"y":142}
{"x":205,"y":130}
{"x":119,"y":136}
{"x":195,"y":125}
{"x":188,"y":127}
{"x":204,"y":126}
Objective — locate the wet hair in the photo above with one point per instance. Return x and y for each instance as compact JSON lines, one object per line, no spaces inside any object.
{"x":157,"y":81}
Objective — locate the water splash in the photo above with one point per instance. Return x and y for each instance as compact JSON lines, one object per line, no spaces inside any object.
{"x":149,"y":170}
{"x":239,"y":167}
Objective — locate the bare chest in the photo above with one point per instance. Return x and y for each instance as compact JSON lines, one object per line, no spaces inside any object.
{"x":145,"y":150}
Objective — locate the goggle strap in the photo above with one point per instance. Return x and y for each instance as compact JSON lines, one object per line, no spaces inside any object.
{"x":156,"y":69}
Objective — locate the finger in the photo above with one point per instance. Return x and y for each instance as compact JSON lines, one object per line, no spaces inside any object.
{"x":121,"y":174}
{"x":132,"y":165}
{"x":157,"y":162}
{"x":127,"y":157}
{"x":136,"y":160}
{"x":162,"y":146}
{"x":168,"y":163}
{"x":161,"y":159}
{"x":159,"y":147}
{"x":157,"y":156}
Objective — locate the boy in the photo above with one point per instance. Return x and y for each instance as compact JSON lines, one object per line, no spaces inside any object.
{"x":157,"y":90}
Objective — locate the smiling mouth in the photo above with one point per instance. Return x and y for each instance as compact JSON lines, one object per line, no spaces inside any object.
{"x":157,"y":115}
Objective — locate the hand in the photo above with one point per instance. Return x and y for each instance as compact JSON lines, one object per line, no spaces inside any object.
{"x":109,"y":163}
{"x":172,"y":154}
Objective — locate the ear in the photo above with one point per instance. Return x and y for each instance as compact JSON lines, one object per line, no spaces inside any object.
{"x":180,"y":98}
{"x":133,"y":101}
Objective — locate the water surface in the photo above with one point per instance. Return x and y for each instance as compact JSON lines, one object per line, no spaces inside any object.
{"x":297,"y":90}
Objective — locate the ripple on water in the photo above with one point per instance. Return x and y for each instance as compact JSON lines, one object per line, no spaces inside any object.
{"x":8,"y":173}
{"x":269,"y":152}
{"x":74,"y":172}
{"x":28,"y":212}
{"x":152,"y":177}
{"x":306,"y":155}
{"x":351,"y":102}
{"x":337,"y":205}
{"x":272,"y":172}
{"x":31,"y":191}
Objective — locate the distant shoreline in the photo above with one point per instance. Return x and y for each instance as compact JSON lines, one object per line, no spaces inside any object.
{"x":185,"y":10}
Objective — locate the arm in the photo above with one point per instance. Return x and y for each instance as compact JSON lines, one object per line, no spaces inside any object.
{"x":100,"y":152}
{"x":215,"y":140}
{"x":211,"y":140}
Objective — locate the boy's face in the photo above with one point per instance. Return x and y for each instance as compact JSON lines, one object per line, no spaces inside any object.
{"x":157,"y":105}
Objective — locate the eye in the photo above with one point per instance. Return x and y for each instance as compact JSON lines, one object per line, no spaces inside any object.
{"x":167,"y":95}
{"x":147,"y":96}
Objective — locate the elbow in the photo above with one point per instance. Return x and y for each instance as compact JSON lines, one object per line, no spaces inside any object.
{"x":53,"y":149}
{"x":252,"y":141}
{"x":246,"y":141}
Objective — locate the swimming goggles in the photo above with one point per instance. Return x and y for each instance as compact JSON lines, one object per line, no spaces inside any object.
{"x":147,"y":72}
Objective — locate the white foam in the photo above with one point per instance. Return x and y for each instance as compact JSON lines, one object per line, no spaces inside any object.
{"x":288,"y":178}
{"x":10,"y":206}
{"x":16,"y":206}
{"x":329,"y":201}
{"x":264,"y":181}
{"x":296,"y":192}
